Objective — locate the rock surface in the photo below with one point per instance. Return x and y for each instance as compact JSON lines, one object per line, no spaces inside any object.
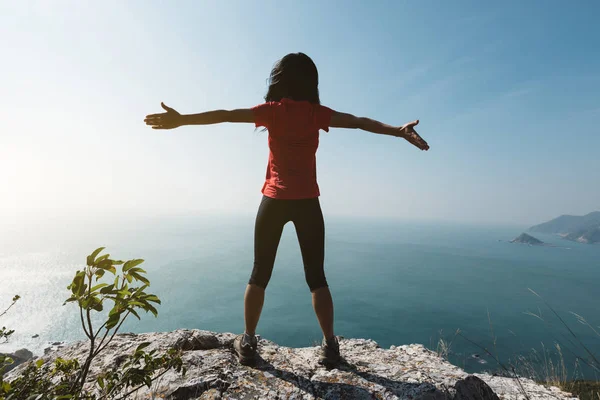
{"x":369,"y":372}
{"x":473,"y":388}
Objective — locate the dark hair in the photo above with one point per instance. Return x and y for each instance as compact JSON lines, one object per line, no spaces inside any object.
{"x":294,"y":77}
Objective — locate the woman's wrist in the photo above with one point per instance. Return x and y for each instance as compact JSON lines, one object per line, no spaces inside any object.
{"x":399,"y":132}
{"x":185,"y":119}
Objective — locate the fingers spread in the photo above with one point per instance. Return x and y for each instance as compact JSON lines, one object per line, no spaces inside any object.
{"x":156,"y":115}
{"x":417,"y":141}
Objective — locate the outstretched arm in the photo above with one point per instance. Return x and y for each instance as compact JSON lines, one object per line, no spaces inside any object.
{"x":172,"y":119}
{"x":407,"y":131}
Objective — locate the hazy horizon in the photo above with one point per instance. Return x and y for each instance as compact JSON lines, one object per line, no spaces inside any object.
{"x":508,"y":100}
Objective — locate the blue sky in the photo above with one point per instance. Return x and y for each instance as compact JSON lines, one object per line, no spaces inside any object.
{"x":508,"y":95}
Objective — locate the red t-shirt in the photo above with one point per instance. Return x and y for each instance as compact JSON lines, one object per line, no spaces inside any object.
{"x":293,"y":141}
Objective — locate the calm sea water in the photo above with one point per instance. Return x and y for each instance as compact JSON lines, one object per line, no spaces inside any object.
{"x":395,"y":282}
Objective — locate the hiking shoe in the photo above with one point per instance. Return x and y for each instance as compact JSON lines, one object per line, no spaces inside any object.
{"x":245,"y":347}
{"x":330,"y":352}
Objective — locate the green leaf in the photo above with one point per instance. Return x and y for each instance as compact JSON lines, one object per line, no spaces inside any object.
{"x":124,"y":292}
{"x":97,"y":306}
{"x":99,"y":286}
{"x":101,"y":258}
{"x":153,"y":298}
{"x":113,"y":320}
{"x":115,"y":310}
{"x":140,"y":290}
{"x":129,"y":278}
{"x":5,"y":387}
{"x":107,"y":289}
{"x":151,"y":309}
{"x":142,"y":346}
{"x":131,"y":310}
{"x":101,"y":382}
{"x":77,"y":286}
{"x":104,"y":264}
{"x":92,"y":257}
{"x":39,"y":363}
{"x":139,"y":277}
{"x":100,"y":273}
{"x":131,"y":263}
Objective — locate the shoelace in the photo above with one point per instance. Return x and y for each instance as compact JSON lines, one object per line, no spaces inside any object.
{"x":247,"y":340}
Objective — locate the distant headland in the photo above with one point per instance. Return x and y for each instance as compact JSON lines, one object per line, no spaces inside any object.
{"x":582,"y":229}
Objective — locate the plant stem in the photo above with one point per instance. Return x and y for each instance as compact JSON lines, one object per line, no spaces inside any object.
{"x":80,"y":381}
{"x":88,"y":334}
{"x":113,"y":335}
{"x":140,"y":386}
{"x":9,"y":307}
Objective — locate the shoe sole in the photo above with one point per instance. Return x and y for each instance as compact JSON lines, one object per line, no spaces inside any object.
{"x":245,"y":360}
{"x":328,"y":362}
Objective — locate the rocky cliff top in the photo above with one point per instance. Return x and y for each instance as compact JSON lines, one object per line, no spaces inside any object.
{"x":369,"y":372}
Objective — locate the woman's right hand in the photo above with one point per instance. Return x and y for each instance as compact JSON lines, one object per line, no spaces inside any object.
{"x":167,"y":120}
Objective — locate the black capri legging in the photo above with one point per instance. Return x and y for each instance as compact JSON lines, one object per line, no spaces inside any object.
{"x":307,"y":217}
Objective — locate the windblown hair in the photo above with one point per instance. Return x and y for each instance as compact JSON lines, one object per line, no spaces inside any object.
{"x":294,"y":77}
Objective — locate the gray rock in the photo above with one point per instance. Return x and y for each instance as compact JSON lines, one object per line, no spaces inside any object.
{"x":19,"y":357}
{"x":198,"y":386}
{"x":368,"y":371}
{"x":23,"y":354}
{"x":197,"y":340}
{"x":473,"y":388}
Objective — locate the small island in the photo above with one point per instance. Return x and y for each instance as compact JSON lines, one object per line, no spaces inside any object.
{"x":524,"y":238}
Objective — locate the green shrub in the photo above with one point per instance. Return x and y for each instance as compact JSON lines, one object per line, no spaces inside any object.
{"x":124,"y":296}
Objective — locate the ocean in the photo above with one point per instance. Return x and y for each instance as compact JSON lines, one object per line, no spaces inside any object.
{"x":395,"y":282}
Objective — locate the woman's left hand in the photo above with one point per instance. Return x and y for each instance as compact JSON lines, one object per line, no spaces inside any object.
{"x":409,"y":133}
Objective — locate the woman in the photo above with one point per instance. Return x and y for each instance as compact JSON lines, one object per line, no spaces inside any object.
{"x":293,"y":116}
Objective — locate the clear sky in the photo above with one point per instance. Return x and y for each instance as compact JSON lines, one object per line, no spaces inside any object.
{"x":508,"y":94}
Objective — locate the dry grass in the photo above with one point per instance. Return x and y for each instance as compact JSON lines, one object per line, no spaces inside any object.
{"x":548,"y":366}
{"x":585,"y":390}
{"x":444,"y":346}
